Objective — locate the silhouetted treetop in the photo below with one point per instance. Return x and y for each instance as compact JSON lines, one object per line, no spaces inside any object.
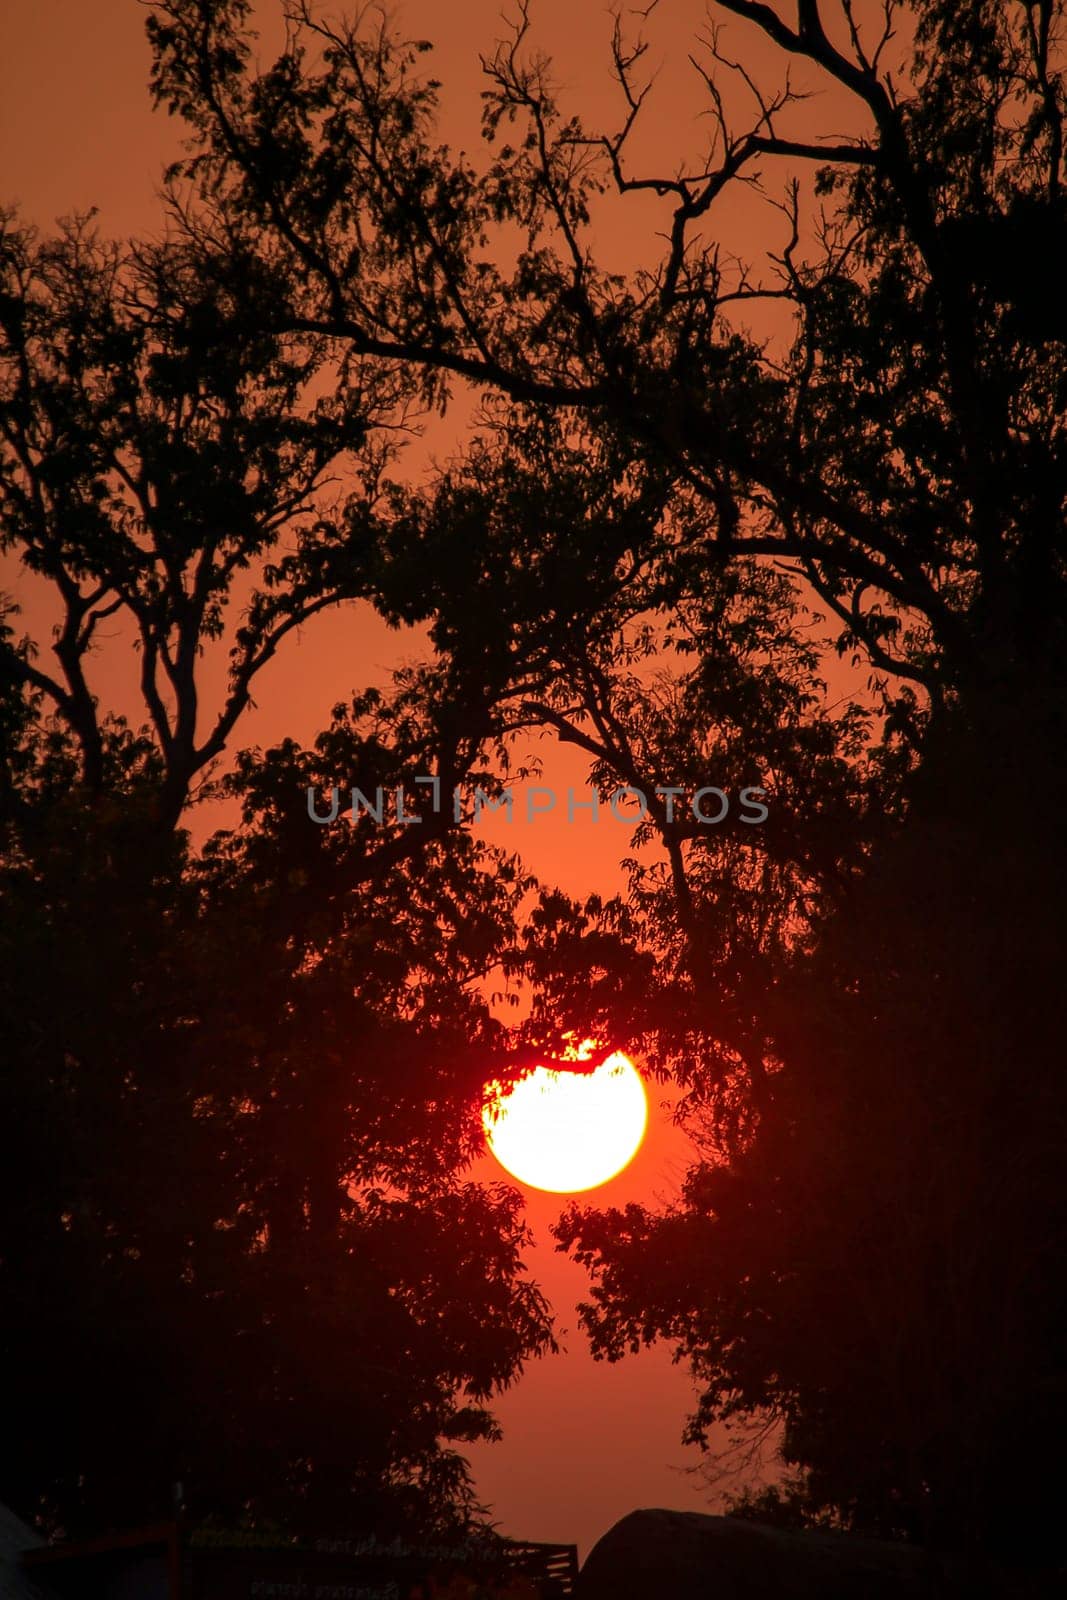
{"x":165,"y":461}
{"x":904,"y":450}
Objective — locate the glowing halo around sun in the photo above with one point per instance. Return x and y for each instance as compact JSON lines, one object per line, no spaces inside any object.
{"x":567,"y":1131}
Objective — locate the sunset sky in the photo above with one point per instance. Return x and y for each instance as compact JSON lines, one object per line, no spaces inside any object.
{"x":584,"y":1442}
{"x":769,"y":493}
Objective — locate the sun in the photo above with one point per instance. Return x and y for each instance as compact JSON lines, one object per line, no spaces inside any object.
{"x":567,"y":1131}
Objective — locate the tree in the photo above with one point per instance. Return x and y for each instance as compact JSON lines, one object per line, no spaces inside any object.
{"x":238,"y":1249}
{"x":902,"y":455}
{"x":162,"y":463}
{"x":241,"y":1085}
{"x":614,"y":630}
{"x":892,"y":322}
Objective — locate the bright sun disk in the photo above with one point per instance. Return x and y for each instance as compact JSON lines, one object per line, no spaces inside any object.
{"x":567,"y":1131}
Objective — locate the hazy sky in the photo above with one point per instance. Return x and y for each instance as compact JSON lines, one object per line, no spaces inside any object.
{"x":584,"y":1443}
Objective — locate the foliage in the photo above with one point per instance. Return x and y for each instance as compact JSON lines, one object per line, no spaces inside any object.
{"x":162,"y":463}
{"x":660,"y":511}
{"x":240,"y":1089}
{"x":904,"y":454}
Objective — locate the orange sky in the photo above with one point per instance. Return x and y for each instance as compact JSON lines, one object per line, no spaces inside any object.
{"x":584,"y":1443}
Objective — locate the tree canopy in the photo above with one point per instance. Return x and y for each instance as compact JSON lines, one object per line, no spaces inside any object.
{"x":661,"y":529}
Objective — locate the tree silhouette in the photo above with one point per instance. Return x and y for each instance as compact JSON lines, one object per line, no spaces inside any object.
{"x":241,"y":1084}
{"x":865,"y":1254}
{"x":240,"y":1090}
{"x":893,"y":367}
{"x":168,"y":466}
{"x":632,"y":552}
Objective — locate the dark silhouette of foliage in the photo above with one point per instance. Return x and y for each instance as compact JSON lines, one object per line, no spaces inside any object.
{"x":871,"y":1250}
{"x":881,"y":457}
{"x":169,"y":469}
{"x":240,"y":1089}
{"x":632,"y":553}
{"x":241,"y":1084}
